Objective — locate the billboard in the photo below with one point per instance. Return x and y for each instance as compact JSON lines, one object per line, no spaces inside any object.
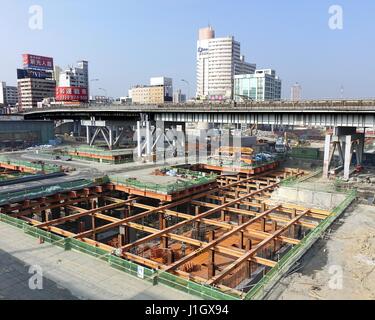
{"x":71,"y":94}
{"x":34,"y":74}
{"x":31,"y":61}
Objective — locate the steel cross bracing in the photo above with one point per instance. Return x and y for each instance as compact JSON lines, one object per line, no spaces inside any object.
{"x":238,"y":198}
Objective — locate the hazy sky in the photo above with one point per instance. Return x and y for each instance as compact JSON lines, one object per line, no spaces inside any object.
{"x":127,"y":42}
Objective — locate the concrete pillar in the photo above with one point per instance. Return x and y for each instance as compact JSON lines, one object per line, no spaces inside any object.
{"x":148,"y":139}
{"x":327,"y":148}
{"x":88,"y":135}
{"x":348,"y":157}
{"x":139,"y":145}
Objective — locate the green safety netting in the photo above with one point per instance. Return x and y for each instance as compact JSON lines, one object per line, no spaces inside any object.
{"x":194,"y":179}
{"x":47,"y":168}
{"x":43,"y":191}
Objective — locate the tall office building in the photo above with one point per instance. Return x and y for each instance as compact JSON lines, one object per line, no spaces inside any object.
{"x":179,"y":97}
{"x":73,"y":83}
{"x":31,"y":91}
{"x":218,"y":61}
{"x":35,"y":82}
{"x":75,"y":76}
{"x":8,"y":95}
{"x":263,"y":85}
{"x":296,"y":92}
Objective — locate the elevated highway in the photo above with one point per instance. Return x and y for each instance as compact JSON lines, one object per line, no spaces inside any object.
{"x":332,"y":113}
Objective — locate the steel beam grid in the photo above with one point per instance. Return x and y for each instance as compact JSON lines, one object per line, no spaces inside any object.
{"x":243,"y":191}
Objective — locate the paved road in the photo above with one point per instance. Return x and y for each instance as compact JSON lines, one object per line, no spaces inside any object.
{"x":67,"y":274}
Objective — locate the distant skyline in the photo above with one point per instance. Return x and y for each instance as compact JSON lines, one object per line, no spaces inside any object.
{"x":127,"y":42}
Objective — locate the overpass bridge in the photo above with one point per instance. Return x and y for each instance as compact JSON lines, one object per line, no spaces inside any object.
{"x":332,"y":113}
{"x":344,"y":115}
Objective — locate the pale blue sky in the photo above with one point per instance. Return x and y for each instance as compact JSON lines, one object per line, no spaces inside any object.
{"x":127,"y":42}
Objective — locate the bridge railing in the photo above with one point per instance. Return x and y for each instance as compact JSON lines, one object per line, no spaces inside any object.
{"x":352,"y":105}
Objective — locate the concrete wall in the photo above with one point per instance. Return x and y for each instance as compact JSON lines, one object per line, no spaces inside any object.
{"x":308,"y":198}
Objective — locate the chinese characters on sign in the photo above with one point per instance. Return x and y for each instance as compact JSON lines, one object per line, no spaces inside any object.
{"x":71,"y":94}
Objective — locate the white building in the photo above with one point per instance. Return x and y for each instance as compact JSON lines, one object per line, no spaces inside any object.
{"x":178,"y":97}
{"x":8,"y":94}
{"x":296,"y":92}
{"x":218,"y":61}
{"x":75,"y":76}
{"x":263,"y":85}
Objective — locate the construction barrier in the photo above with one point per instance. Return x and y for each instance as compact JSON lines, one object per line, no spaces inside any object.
{"x":47,"y":168}
{"x":305,"y":153}
{"x":193,"y":288}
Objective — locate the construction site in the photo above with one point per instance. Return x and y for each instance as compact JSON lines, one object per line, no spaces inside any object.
{"x":230,"y":227}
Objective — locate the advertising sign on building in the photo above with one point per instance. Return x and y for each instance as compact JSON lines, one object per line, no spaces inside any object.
{"x":34,"y":74}
{"x":71,"y":94}
{"x":37,"y":62}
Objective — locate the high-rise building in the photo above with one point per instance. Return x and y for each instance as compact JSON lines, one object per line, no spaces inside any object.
{"x":178,"y":97}
{"x":296,"y":92}
{"x":73,"y":83}
{"x":263,"y":85}
{"x":75,"y":76}
{"x":218,"y":61}
{"x":8,"y":95}
{"x":35,"y":82}
{"x":31,"y":91}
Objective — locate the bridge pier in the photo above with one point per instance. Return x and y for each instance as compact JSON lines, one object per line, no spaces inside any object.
{"x":109,"y":130}
{"x":347,"y":142}
{"x":160,"y":140}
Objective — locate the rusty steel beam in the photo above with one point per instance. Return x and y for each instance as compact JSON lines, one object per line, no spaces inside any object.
{"x":168,"y":206}
{"x":252,"y":252}
{"x":218,"y":240}
{"x":219,"y":249}
{"x":250,"y":233}
{"x":82,"y":214}
{"x":202,"y":215}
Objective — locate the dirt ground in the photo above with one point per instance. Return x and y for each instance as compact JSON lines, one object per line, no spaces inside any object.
{"x":340,"y":266}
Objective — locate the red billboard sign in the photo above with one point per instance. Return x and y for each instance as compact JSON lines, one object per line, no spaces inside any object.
{"x":37,"y":62}
{"x":71,"y":94}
